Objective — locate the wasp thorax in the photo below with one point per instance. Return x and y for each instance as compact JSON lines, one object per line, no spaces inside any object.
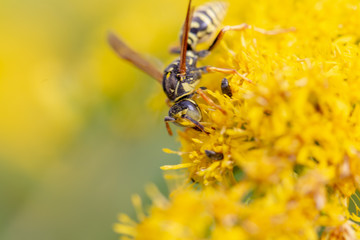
{"x":170,"y":84}
{"x":177,"y":86}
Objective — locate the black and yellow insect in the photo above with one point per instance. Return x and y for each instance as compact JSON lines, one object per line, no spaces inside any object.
{"x":181,"y":78}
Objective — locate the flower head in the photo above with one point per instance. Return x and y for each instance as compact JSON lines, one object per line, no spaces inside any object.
{"x":289,"y":141}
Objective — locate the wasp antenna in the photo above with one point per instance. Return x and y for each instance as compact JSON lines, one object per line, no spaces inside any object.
{"x":167,"y":120}
{"x":184,"y":40}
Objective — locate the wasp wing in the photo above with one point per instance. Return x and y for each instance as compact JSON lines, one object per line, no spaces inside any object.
{"x":125,"y":52}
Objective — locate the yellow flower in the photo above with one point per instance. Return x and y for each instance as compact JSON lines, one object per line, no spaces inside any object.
{"x":290,"y":142}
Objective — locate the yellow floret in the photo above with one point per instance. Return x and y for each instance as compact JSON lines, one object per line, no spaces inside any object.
{"x":290,"y":140}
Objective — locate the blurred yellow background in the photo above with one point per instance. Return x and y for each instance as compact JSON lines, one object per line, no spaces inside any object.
{"x":77,"y":132}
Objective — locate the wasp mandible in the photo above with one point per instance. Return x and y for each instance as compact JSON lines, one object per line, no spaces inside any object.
{"x":181,"y":78}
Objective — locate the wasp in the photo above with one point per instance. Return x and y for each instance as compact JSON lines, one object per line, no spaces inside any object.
{"x":181,"y":78}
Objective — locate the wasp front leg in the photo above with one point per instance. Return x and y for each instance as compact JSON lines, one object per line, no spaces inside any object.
{"x":196,"y":123}
{"x":168,"y":119}
{"x":209,"y":101}
{"x":225,"y":89}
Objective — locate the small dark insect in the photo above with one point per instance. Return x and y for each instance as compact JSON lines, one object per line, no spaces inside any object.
{"x":214,"y":155}
{"x":225,"y":87}
{"x":181,"y":78}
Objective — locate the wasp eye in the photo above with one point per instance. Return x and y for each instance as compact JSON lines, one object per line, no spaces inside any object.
{"x":175,"y":109}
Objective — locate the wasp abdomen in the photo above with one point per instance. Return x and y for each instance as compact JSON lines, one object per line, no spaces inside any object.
{"x":205,"y":21}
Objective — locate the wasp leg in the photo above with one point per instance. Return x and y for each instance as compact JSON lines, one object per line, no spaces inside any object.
{"x":225,"y":87}
{"x":168,"y":102}
{"x":167,"y":120}
{"x":209,"y":101}
{"x":197,"y":124}
{"x":226,"y":70}
{"x":246,"y":26}
{"x":175,"y":50}
{"x":200,"y":54}
{"x":214,"y":155}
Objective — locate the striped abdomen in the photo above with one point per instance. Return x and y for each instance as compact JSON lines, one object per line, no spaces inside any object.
{"x":205,"y":21}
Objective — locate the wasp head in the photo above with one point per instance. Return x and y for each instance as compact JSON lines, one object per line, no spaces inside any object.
{"x":181,"y":113}
{"x":185,"y":113}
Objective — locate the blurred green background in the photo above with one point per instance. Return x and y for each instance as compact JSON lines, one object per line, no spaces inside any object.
{"x":80,"y":130}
